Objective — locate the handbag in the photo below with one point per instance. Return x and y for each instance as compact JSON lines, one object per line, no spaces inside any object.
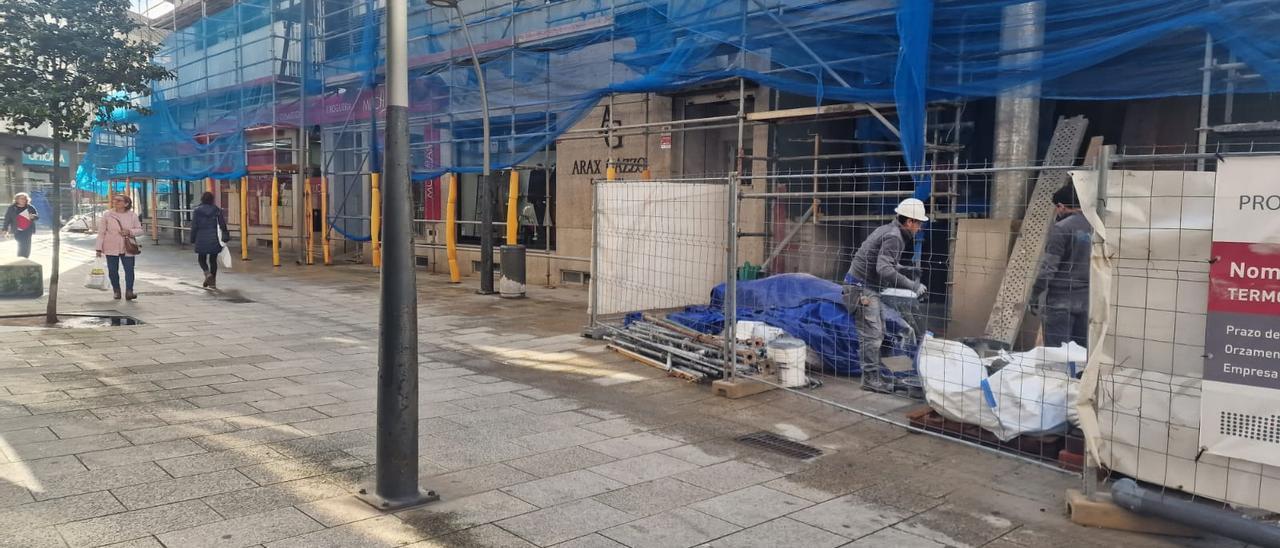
{"x":224,"y":256}
{"x":131,"y":246}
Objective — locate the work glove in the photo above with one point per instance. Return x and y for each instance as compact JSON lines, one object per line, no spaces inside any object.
{"x":921,"y":291}
{"x":1034,"y":306}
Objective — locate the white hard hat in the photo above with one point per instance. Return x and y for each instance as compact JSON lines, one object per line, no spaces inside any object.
{"x":912,"y":208}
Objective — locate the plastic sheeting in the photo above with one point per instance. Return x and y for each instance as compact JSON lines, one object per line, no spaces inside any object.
{"x":1033,"y":393}
{"x":806,"y":307}
{"x":548,"y":63}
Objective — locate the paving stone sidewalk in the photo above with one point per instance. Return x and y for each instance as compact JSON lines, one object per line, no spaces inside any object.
{"x":246,"y":417}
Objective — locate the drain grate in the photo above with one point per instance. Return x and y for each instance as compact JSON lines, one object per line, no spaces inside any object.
{"x":781,"y":445}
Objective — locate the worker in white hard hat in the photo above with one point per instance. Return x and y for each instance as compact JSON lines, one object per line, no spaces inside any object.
{"x":876,"y":267}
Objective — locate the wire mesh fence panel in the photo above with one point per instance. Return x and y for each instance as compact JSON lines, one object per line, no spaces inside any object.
{"x":911,"y":320}
{"x":658,"y":244}
{"x":1151,"y":393}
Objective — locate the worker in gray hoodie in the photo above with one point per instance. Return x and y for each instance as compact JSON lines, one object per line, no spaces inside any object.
{"x":876,"y":267}
{"x":1064,"y":274}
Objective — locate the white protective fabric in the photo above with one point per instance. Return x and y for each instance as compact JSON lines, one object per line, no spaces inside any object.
{"x":1033,"y":393}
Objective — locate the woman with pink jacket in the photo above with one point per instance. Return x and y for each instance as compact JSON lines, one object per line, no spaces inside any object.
{"x":115,"y":224}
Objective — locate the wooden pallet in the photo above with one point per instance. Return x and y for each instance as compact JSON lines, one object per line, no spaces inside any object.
{"x":1041,"y":447}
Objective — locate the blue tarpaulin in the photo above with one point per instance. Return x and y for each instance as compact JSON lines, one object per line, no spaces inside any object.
{"x":806,"y":307}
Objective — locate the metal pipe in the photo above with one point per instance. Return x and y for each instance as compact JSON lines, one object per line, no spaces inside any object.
{"x":375,"y":217}
{"x":1018,"y":108}
{"x":486,"y":185}
{"x":828,"y":194}
{"x":451,"y":229}
{"x":1206,"y":87}
{"x":598,"y":132}
{"x":326,"y":250}
{"x":594,"y":286}
{"x":1127,"y":494}
{"x":396,"y":476}
{"x":513,"y":205}
{"x":905,"y":173}
{"x":275,"y":220}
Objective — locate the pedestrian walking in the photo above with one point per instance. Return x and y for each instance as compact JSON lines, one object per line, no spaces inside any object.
{"x":208,"y":221}
{"x":118,"y":229}
{"x":20,"y":220}
{"x":1064,"y":273}
{"x":877,"y":267}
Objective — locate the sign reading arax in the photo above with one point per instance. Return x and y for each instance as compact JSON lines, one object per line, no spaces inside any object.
{"x":1240,"y":401}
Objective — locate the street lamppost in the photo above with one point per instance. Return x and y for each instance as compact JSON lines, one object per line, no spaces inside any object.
{"x":396,"y":477}
{"x":486,"y":186}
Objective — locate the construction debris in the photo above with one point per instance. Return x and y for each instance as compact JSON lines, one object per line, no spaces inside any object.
{"x":682,"y":352}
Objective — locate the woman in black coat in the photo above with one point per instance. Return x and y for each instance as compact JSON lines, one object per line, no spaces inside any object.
{"x":20,"y":219}
{"x":207,"y":220}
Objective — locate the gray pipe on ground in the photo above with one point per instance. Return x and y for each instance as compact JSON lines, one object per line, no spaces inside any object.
{"x":1130,"y":496}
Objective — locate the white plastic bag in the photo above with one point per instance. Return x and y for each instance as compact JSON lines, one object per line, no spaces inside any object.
{"x":1034,"y":393}
{"x":97,"y":276}
{"x":224,"y":256}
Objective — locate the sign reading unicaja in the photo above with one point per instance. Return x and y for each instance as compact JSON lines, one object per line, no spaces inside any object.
{"x":1240,"y":400}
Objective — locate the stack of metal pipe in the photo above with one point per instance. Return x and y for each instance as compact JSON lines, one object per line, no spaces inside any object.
{"x":680,"y":351}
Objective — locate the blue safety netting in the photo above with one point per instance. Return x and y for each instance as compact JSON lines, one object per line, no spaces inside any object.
{"x":262,"y":64}
{"x":806,"y":307}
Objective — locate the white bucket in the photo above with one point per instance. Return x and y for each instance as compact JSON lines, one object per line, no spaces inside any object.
{"x":767,"y":333}
{"x":789,"y":355}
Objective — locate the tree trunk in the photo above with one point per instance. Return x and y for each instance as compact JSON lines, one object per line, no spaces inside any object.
{"x":55,"y":203}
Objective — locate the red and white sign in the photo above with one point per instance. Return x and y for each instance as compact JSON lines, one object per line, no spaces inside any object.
{"x":1240,"y":399}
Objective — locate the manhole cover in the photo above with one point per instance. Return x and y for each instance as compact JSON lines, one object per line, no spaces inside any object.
{"x":781,"y":445}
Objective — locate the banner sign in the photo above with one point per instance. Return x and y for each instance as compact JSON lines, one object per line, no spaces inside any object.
{"x":1240,"y":402}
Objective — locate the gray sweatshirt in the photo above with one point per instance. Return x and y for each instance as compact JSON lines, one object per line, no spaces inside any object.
{"x":1064,"y":267}
{"x":876,"y":261}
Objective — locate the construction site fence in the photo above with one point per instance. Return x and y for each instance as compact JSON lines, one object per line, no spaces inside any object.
{"x":1124,"y":403}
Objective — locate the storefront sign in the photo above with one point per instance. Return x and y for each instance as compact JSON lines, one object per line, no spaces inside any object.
{"x":597,"y":167}
{"x":1240,"y":403}
{"x":37,"y":157}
